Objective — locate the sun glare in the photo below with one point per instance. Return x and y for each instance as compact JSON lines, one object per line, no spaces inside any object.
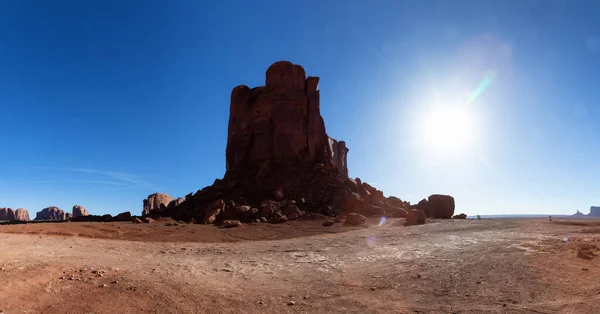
{"x":448,"y":130}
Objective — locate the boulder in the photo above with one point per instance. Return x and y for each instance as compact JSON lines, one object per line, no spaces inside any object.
{"x":7,"y":214}
{"x":79,"y":211}
{"x":21,"y":214}
{"x":147,"y":220}
{"x":328,"y":223}
{"x":377,"y":196}
{"x":231,"y":223}
{"x":136,"y":220}
{"x":267,"y":208}
{"x":415,"y":217}
{"x":51,"y":213}
{"x":460,"y":216}
{"x":292,"y":212}
{"x":440,"y":206}
{"x":124,"y":216}
{"x":246,"y":210}
{"x":278,"y":217}
{"x":213,"y":211}
{"x":156,"y":202}
{"x":107,"y":218}
{"x":354,"y":219}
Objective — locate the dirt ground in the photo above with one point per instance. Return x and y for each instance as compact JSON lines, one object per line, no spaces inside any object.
{"x":452,"y":266}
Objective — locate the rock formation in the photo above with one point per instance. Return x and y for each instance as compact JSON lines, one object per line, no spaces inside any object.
{"x":578,"y":214}
{"x":594,"y":211}
{"x":51,"y":213}
{"x":7,"y":214}
{"x":437,"y":206}
{"x":79,"y":211}
{"x":22,"y":214}
{"x":156,"y":202}
{"x":278,"y":123}
{"x":281,"y":163}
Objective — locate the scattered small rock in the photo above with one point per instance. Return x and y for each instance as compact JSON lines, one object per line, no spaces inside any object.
{"x":291,"y":303}
{"x":354,"y":219}
{"x":231,"y":223}
{"x":373,"y":288}
{"x":103,"y":285}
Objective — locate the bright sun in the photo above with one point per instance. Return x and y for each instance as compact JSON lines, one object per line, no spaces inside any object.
{"x":448,"y":130}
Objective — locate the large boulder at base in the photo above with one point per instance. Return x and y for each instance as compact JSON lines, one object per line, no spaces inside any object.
{"x":415,"y":217}
{"x":440,"y":206}
{"x":107,"y":218}
{"x":213,"y":211}
{"x":79,"y":211}
{"x":354,"y":219}
{"x":125,"y":216}
{"x":231,"y":223}
{"x":460,"y":216}
{"x":156,"y":202}
{"x":21,"y":214}
{"x":51,"y":213}
{"x":7,"y":214}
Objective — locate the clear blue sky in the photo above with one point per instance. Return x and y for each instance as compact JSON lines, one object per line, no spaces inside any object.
{"x":105,"y":102}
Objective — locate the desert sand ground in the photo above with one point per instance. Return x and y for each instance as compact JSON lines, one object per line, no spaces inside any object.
{"x":452,"y":266}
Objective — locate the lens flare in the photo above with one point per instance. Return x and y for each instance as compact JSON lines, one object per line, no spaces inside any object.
{"x":483,"y":85}
{"x":382,"y":221}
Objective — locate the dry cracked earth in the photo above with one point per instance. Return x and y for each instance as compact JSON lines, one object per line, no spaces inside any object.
{"x":453,"y":266}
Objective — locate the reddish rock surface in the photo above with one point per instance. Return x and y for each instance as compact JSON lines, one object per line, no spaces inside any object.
{"x":415,"y":217}
{"x":440,"y":206}
{"x":125,"y":216}
{"x":22,"y":214}
{"x":156,"y":202}
{"x":7,"y":214}
{"x":51,"y":213}
{"x":354,"y":219}
{"x":79,"y":211}
{"x":280,"y":162}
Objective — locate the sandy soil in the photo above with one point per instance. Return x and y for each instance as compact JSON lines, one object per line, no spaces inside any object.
{"x":454,"y":266}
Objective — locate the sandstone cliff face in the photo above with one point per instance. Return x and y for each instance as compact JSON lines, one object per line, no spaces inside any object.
{"x":7,"y":214}
{"x":156,"y":202}
{"x":79,"y":211}
{"x":279,"y":123}
{"x":22,"y":214}
{"x":51,"y":213}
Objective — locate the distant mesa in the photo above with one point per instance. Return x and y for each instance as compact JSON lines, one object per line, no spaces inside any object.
{"x":157,"y":203}
{"x":7,"y":214}
{"x":594,"y":212}
{"x":52,"y":213}
{"x":21,"y":214}
{"x":79,"y":211}
{"x":281,"y":164}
